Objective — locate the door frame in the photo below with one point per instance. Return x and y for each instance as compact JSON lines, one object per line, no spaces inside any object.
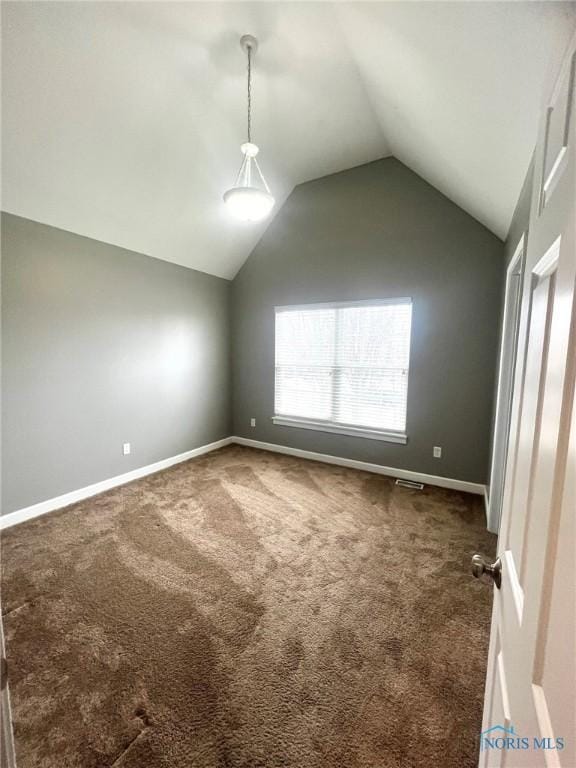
{"x":7,"y":753}
{"x":505,"y":382}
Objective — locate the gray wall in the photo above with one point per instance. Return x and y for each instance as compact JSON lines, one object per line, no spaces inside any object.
{"x":377,"y":231}
{"x":103,"y":346}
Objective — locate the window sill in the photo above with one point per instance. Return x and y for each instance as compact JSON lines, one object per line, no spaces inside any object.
{"x":323,"y":426}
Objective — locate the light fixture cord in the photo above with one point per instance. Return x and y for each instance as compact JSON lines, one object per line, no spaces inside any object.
{"x":249,"y":93}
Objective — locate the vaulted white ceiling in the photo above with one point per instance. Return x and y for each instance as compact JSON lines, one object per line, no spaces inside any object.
{"x":122,"y":121}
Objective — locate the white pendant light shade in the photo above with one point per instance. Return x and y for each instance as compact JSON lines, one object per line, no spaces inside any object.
{"x":248,"y":203}
{"x":249,"y":199}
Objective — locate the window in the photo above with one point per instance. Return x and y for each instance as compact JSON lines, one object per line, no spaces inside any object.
{"x":344,"y":367}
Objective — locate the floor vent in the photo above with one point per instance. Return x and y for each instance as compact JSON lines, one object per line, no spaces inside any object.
{"x":410,"y":484}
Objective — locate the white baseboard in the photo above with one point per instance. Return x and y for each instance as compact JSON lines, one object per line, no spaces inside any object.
{"x":404,"y":474}
{"x":27,"y":513}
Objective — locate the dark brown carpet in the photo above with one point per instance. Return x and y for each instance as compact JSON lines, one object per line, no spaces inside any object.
{"x":249,"y":610}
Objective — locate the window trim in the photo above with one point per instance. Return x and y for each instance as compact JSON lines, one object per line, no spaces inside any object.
{"x":342,"y":304}
{"x":387,"y":436}
{"x":352,"y":430}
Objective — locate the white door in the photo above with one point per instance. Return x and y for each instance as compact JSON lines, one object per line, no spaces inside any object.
{"x":529,"y":711}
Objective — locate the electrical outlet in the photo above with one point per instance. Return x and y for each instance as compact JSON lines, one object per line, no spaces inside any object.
{"x":252,"y":422}
{"x":126,"y":448}
{"x":437,"y":452}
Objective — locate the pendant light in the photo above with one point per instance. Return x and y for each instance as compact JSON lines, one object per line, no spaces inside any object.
{"x":249,"y":199}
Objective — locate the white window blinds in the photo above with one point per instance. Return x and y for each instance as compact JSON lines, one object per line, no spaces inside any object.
{"x":344,"y":364}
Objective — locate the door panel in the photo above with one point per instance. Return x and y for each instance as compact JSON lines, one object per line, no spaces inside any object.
{"x":555,"y":660}
{"x":557,"y":132}
{"x":530,"y":416}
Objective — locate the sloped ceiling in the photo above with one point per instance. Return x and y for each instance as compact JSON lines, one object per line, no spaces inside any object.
{"x":122,"y":121}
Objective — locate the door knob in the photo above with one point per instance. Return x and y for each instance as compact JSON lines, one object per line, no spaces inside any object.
{"x":481,"y":567}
